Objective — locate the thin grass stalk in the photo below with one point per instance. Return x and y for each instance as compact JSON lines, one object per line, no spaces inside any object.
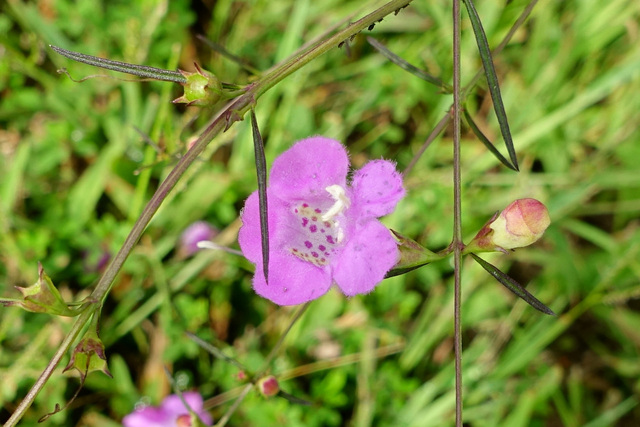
{"x":457,"y":211}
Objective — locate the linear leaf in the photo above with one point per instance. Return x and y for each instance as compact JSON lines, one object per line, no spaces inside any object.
{"x":476,"y":130}
{"x":123,"y":67}
{"x":513,"y":286}
{"x":492,"y":80}
{"x":261,"y":169}
{"x":408,"y":67}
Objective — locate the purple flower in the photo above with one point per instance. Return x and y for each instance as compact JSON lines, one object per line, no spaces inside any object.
{"x":322,"y":230}
{"x":170,"y":413}
{"x":197,"y":232}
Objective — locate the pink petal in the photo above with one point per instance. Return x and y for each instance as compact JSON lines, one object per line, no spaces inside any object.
{"x":366,"y":258}
{"x":146,"y":417}
{"x":377,"y":187}
{"x":249,"y":236}
{"x":173,"y":406}
{"x":291,"y":280}
{"x":308,"y":167}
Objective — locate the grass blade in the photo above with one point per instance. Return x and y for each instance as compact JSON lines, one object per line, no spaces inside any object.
{"x":513,"y":286}
{"x":261,"y":169}
{"x":408,"y":67}
{"x":476,"y":130}
{"x":492,"y":80}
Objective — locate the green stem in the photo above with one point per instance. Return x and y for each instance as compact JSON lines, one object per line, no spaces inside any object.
{"x":457,"y":211}
{"x":48,"y":371}
{"x":230,"y":113}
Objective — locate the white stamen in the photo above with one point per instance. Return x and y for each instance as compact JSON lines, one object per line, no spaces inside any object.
{"x":340,"y":236}
{"x":342,"y":202}
{"x":206,"y":244}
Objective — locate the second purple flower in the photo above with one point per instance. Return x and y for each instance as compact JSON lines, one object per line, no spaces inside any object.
{"x":321,"y":230}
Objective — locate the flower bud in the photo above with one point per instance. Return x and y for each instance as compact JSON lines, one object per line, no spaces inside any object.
{"x":268,"y":386}
{"x":520,"y":224}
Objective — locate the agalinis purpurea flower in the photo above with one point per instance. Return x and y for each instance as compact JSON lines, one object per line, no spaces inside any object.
{"x":322,"y":230}
{"x":170,"y":413}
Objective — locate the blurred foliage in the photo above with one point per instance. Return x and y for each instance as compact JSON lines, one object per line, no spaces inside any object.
{"x":75,"y":173}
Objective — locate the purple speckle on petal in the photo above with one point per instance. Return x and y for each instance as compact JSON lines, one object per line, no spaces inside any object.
{"x":330,"y":240}
{"x":317,"y":210}
{"x":308,"y":244}
{"x":314,"y":254}
{"x":314,"y":218}
{"x":304,"y":205}
{"x":322,"y":248}
{"x":313,"y":228}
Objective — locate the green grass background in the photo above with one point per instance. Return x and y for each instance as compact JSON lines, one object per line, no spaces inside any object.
{"x":75,"y":174}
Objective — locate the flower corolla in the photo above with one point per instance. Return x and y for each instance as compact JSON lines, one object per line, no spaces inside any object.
{"x":170,"y":413}
{"x":321,"y":230}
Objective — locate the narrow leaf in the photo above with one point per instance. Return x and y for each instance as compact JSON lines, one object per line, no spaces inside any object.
{"x":123,"y":67}
{"x":492,"y":80}
{"x":513,"y":286}
{"x":486,"y":141}
{"x":408,"y":67}
{"x":261,"y":169}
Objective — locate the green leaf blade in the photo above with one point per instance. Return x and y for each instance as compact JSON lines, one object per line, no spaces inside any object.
{"x":492,"y":80}
{"x":513,"y":286}
{"x":261,"y":169}
{"x":481,"y":136}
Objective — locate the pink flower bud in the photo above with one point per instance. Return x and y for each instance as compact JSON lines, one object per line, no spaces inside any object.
{"x":268,"y":386}
{"x":520,"y":224}
{"x":183,"y":420}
